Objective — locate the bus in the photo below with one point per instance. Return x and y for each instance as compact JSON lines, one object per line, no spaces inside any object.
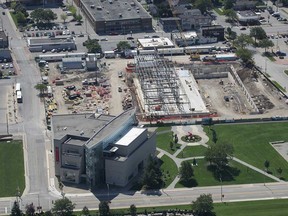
{"x":19,"y":97}
{"x":17,"y":87}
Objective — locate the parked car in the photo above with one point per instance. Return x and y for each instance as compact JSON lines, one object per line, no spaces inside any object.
{"x":71,"y":87}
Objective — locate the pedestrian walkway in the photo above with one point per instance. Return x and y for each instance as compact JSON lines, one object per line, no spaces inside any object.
{"x":198,"y":130}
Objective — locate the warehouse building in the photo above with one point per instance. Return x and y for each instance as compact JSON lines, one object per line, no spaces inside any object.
{"x":73,"y":63}
{"x":48,"y":44}
{"x":115,"y":16}
{"x":99,"y":149}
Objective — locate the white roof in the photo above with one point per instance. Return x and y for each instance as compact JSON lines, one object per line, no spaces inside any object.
{"x":156,"y":42}
{"x":130,"y":136}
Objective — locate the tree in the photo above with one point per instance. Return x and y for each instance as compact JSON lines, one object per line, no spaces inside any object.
{"x":186,"y":171}
{"x":245,"y":55}
{"x":49,"y":15}
{"x":63,"y":207}
{"x":14,"y":5}
{"x":231,"y":15}
{"x":203,"y":206}
{"x":85,"y":211}
{"x":219,"y":154}
{"x":48,"y":213}
{"x":133,"y":210}
{"x":176,"y":139}
{"x":41,"y":87}
{"x":15,"y":211}
{"x":266,"y":164}
{"x":152,"y":176}
{"x":123,"y":45}
{"x":265,"y":43}
{"x":93,"y":46}
{"x":203,"y":5}
{"x":104,"y":208}
{"x":258,"y":33}
{"x":279,"y":170}
{"x":243,"y":40}
{"x":64,"y":17}
{"x":231,"y":34}
{"x":43,"y":15}
{"x":20,"y":17}
{"x":78,"y":18}
{"x":228,"y":4}
{"x":30,"y":209}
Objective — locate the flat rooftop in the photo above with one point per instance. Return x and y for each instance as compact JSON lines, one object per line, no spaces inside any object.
{"x":155,"y":42}
{"x":76,"y":141}
{"x":247,"y":13}
{"x":84,"y":125}
{"x":41,"y":41}
{"x":186,"y":35}
{"x":129,"y":137}
{"x":109,"y":10}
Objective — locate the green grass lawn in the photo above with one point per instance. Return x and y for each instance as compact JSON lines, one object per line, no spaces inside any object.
{"x":163,"y":142}
{"x":236,"y":174}
{"x":286,"y":72}
{"x":219,"y":11}
{"x":251,"y":143}
{"x":192,"y":151}
{"x":11,"y":168}
{"x":277,"y":207}
{"x":279,"y":86}
{"x":159,"y":129}
{"x":256,"y":208}
{"x":169,"y":170}
{"x":14,"y":18}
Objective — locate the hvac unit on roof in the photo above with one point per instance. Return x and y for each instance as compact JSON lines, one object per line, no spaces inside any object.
{"x":120,"y":15}
{"x":129,"y":9}
{"x":107,"y":12}
{"x":110,"y":1}
{"x":99,"y":8}
{"x":92,"y":6}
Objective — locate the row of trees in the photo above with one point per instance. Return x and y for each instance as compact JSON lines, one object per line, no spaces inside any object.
{"x":19,"y":12}
{"x":202,"y":206}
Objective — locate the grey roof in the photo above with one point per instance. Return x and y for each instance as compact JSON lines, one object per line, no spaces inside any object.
{"x":74,"y":124}
{"x":41,"y":41}
{"x":92,"y":126}
{"x":247,"y":13}
{"x":129,"y":9}
{"x":3,"y":35}
{"x":72,"y":59}
{"x":79,"y":141}
{"x":110,"y":128}
{"x":212,"y":27}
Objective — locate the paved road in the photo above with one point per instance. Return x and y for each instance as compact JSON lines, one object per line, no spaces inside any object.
{"x":37,"y":190}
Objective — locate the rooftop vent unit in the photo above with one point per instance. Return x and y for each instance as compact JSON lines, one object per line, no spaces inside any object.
{"x":129,"y":9}
{"x":92,"y":6}
{"x":125,"y":3}
{"x":99,"y":8}
{"x":132,"y":3}
{"x":120,"y":15}
{"x":110,"y":1}
{"x":107,"y":12}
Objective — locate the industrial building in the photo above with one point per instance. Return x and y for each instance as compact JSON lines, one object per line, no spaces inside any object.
{"x":154,"y":43}
{"x":115,"y":16}
{"x":48,"y":44}
{"x":73,"y":63}
{"x":99,"y":149}
{"x":164,"y":91}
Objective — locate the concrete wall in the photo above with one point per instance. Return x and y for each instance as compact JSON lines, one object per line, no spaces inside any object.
{"x":120,"y":173}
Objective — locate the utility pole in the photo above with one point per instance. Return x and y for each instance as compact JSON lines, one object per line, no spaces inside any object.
{"x":7,"y":123}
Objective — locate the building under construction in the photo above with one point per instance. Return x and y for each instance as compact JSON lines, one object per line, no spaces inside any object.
{"x":164,"y":91}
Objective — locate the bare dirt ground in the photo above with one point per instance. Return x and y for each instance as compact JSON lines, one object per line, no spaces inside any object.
{"x":104,"y":99}
{"x":265,"y":95}
{"x":213,"y":94}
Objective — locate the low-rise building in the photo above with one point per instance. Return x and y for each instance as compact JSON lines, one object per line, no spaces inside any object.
{"x":153,"y":43}
{"x":247,"y":16}
{"x":4,"y":40}
{"x":100,"y":149}
{"x":48,"y":44}
{"x":170,"y":24}
{"x":213,"y":31}
{"x":72,"y":63}
{"x":191,"y":38}
{"x":116,"y":16}
{"x":244,"y":5}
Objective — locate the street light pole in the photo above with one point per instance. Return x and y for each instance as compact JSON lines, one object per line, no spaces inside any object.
{"x":221,"y":190}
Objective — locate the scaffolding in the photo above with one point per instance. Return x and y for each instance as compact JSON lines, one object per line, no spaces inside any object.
{"x":160,"y":86}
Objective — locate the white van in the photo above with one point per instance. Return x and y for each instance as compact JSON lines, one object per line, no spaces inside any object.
{"x":68,"y":13}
